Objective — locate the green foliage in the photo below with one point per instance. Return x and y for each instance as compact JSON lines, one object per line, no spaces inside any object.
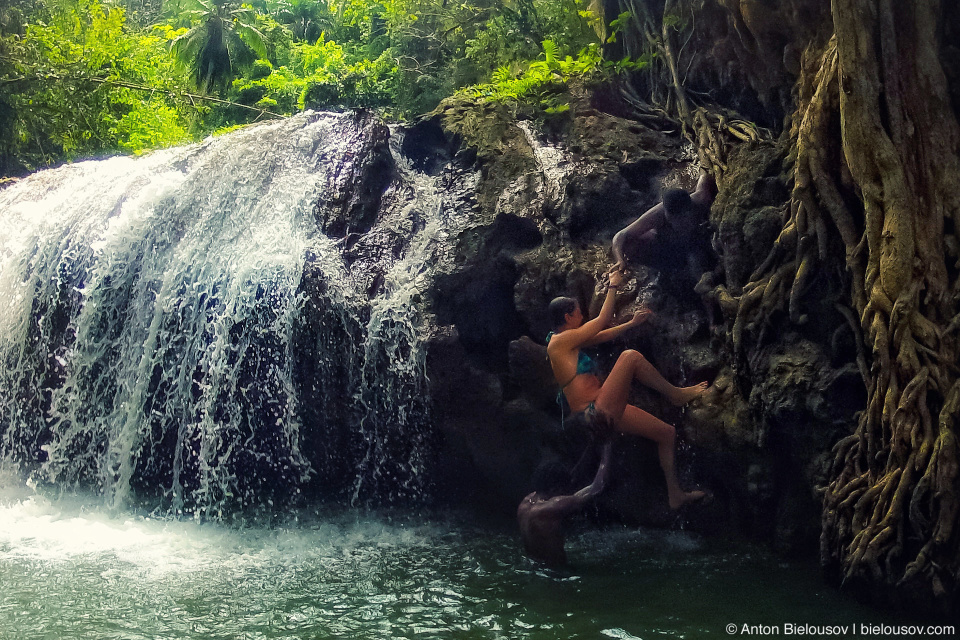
{"x":69,"y":79}
{"x":73,"y":70}
{"x":332,"y":81}
{"x":319,"y":76}
{"x":617,"y":25}
{"x":542,"y":82}
{"x":222,"y":34}
{"x":307,"y":20}
{"x":156,"y":125}
{"x":260,"y":69}
{"x":277,"y":40}
{"x":674,"y":21}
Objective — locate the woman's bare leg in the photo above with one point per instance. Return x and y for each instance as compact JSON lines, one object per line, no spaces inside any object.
{"x":648,"y":375}
{"x":631,"y":365}
{"x":639,"y":422}
{"x":612,"y":401}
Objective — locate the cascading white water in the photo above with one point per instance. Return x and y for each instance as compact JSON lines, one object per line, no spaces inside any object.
{"x":393,"y":389}
{"x":163,"y":337}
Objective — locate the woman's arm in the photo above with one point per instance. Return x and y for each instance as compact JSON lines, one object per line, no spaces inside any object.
{"x":606,"y":335}
{"x":576,"y":338}
{"x":605,"y":317}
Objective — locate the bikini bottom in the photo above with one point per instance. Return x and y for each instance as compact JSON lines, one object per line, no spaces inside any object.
{"x":596,"y":421}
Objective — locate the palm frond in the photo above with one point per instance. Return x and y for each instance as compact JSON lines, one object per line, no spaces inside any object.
{"x":252,"y":37}
{"x":550,"y":51}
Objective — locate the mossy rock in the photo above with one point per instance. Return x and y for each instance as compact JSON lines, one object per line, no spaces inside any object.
{"x":489,"y":127}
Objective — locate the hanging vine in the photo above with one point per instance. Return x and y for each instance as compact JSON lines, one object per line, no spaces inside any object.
{"x":712,"y":129}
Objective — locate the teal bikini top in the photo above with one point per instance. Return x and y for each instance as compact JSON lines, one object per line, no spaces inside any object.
{"x":585,"y":364}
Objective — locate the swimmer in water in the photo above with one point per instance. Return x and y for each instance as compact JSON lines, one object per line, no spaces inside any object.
{"x":541,"y":514}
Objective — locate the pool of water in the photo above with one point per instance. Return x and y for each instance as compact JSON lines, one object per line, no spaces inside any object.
{"x":69,"y":569}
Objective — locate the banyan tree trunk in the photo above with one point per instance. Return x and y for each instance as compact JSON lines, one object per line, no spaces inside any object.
{"x":876,"y":172}
{"x":890,"y":511}
{"x":876,"y":159}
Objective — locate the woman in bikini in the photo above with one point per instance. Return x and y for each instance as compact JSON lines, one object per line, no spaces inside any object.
{"x":607,"y":400}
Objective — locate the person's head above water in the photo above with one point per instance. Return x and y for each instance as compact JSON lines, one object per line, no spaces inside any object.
{"x":676,"y":202}
{"x":559,"y":309}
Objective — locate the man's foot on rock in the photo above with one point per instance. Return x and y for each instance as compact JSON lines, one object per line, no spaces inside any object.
{"x":686,"y":497}
{"x":683,"y":395}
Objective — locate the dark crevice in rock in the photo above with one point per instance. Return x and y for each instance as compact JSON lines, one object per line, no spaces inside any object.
{"x":641,"y":173}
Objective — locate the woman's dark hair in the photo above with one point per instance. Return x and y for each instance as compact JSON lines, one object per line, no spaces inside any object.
{"x":676,"y":201}
{"x":559,"y":308}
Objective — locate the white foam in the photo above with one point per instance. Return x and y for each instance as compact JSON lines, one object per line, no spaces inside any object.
{"x":78,"y":531}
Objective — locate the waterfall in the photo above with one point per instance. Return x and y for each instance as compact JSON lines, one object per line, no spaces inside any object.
{"x":222,"y":325}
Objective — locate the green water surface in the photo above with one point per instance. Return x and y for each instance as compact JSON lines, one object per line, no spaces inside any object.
{"x":69,"y":570}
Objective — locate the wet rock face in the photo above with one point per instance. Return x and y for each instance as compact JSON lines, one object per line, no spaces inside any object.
{"x":352,"y":197}
{"x":478,"y":299}
{"x":548,"y":203}
{"x":748,"y":211}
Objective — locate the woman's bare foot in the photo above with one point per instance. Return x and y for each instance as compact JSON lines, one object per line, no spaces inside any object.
{"x":685,"y":497}
{"x":683,"y":395}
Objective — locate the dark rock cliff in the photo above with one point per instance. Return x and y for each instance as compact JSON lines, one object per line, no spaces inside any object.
{"x":548,"y":202}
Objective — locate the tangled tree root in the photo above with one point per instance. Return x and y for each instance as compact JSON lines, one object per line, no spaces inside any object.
{"x":711,"y":129}
{"x":875,"y":178}
{"x":890,"y":509}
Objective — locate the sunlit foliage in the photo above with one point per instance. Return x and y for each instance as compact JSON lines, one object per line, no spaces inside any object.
{"x":77,"y":82}
{"x":85,"y":77}
{"x":222,"y":33}
{"x":541,"y":83}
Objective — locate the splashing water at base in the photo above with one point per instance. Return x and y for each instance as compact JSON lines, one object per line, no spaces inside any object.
{"x":70,"y":570}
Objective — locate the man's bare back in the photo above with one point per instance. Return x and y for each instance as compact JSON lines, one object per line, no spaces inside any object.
{"x":541,"y":517}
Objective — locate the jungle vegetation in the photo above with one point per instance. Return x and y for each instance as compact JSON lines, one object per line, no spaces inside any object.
{"x":81,"y":78}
